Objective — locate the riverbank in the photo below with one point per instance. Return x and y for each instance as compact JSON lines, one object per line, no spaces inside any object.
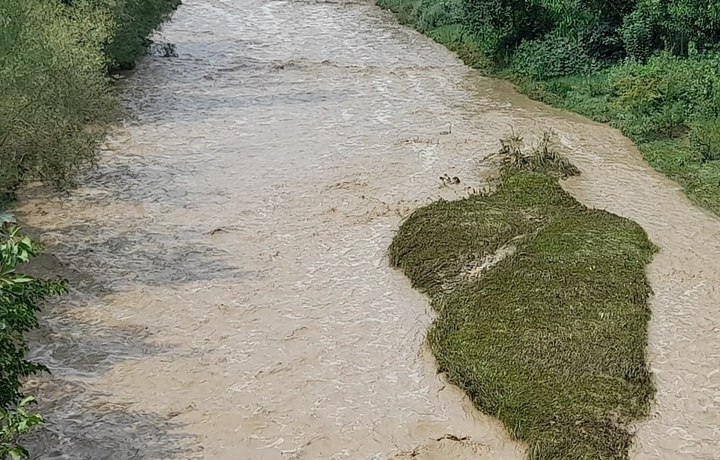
{"x":56,"y":96}
{"x":667,"y":105}
{"x":57,"y":102}
{"x":542,"y":307}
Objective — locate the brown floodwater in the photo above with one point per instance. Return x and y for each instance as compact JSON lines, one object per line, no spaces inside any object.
{"x":231,"y":296}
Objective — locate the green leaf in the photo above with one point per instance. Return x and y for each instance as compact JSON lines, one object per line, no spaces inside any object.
{"x":18,"y":453}
{"x":22,"y":279}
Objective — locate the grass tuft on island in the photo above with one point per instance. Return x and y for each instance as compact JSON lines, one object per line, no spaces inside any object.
{"x":542,"y":307}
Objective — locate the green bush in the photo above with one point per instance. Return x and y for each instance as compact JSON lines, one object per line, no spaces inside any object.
{"x":432,"y":14}
{"x":15,"y":423}
{"x":501,"y":25}
{"x":55,"y":97}
{"x":52,"y":86}
{"x":135,"y":20}
{"x":19,"y":297}
{"x":550,"y":57}
{"x":660,"y":98}
{"x":639,"y":34}
{"x":704,"y":139}
{"x":603,"y":42}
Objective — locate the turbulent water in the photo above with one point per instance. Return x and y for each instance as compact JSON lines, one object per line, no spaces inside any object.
{"x":231,"y":296}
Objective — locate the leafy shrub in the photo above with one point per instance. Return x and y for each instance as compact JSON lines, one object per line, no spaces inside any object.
{"x":639,"y":34}
{"x":13,"y":424}
{"x":433,"y":14}
{"x":664,"y":95}
{"x":704,"y":139}
{"x":501,"y":25}
{"x":55,"y":100}
{"x":602,"y":43}
{"x":52,"y":85}
{"x":550,"y":57}
{"x":135,"y":20}
{"x":19,"y":298}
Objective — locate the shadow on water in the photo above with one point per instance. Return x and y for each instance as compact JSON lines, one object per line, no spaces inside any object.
{"x":116,"y":260}
{"x":81,"y":423}
{"x":126,"y":250}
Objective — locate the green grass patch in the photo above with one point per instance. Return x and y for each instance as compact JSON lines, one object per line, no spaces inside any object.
{"x":542,"y":308}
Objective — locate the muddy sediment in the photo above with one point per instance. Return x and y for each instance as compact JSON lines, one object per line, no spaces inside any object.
{"x":232,"y":298}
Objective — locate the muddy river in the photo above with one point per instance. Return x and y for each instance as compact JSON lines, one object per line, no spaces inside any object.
{"x":231,"y":297}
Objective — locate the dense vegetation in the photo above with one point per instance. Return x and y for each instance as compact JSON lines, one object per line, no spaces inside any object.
{"x":56,"y":101}
{"x":542,"y":307}
{"x":19,"y":297}
{"x":55,"y":94}
{"x":649,"y":67}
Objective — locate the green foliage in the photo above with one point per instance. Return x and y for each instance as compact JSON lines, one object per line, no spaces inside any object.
{"x":552,"y":56}
{"x":669,"y":106}
{"x":430,"y":15}
{"x":501,"y":25}
{"x":135,"y":20}
{"x":659,"y":98}
{"x":675,"y":26}
{"x":704,"y":139}
{"x":640,"y":33}
{"x":537,"y":359}
{"x":19,"y":298}
{"x":52,"y":86}
{"x":535,"y":36}
{"x":602,"y":42}
{"x":55,"y":96}
{"x":13,"y":424}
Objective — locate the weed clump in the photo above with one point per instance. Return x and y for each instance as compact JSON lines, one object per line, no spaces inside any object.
{"x":550,"y":338}
{"x":541,"y":158}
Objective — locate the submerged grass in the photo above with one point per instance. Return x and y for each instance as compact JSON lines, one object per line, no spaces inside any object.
{"x":551,"y":338}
